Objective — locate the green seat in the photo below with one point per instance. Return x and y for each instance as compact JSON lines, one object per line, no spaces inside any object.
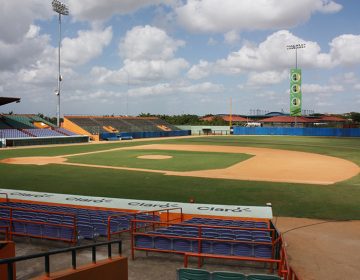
{"x":225,"y":275}
{"x":192,"y":274}
{"x":262,"y":277}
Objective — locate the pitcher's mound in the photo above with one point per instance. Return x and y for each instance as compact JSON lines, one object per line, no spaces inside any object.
{"x":154,"y":157}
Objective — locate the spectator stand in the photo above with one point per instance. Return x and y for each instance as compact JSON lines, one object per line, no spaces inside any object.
{"x":257,"y":243}
{"x":42,"y":224}
{"x":145,"y":219}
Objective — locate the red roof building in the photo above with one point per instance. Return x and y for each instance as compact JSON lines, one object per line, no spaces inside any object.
{"x":226,"y":118}
{"x":286,"y":119}
{"x":330,"y":119}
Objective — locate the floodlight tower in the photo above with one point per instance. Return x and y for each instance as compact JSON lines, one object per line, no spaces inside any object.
{"x":296,"y":47}
{"x":61,"y":9}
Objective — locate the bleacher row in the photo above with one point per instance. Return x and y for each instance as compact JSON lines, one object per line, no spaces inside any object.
{"x":219,"y":237}
{"x":23,"y":126}
{"x":96,"y":125}
{"x":57,"y":222}
{"x":34,"y":132}
{"x":199,"y":274}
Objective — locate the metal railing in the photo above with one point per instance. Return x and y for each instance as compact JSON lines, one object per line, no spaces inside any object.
{"x":11,"y":261}
{"x":152,"y":213}
{"x":6,"y":196}
{"x":10,"y":219}
{"x":6,"y":231}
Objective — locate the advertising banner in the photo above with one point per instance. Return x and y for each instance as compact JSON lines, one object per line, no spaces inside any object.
{"x":263,"y":212}
{"x":295,"y":93}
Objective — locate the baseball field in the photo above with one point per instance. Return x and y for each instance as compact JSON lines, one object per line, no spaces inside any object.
{"x":309,"y":177}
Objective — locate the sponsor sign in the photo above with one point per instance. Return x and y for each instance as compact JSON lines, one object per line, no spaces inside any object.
{"x":142,"y":205}
{"x":295,"y":93}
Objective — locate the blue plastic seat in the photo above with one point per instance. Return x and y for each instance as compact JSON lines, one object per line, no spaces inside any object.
{"x":221,"y":248}
{"x":242,"y":249}
{"x":182,"y":245}
{"x":162,"y":243}
{"x":144,"y":241}
{"x":263,"y":251}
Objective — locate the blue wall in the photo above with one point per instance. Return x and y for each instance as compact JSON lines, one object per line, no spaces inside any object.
{"x":307,"y":131}
{"x":149,"y":134}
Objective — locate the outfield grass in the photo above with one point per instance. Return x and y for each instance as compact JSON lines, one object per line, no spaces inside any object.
{"x":179,"y":161}
{"x":338,"y":201}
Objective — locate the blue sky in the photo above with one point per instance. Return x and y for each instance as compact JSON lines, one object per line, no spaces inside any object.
{"x":176,"y":56}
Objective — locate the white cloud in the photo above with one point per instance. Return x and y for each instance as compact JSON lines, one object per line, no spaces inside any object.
{"x":321,"y":89}
{"x":18,"y":15}
{"x":24,"y":52}
{"x":223,"y":16}
{"x":86,"y":46}
{"x":149,"y":56}
{"x":167,"y":88}
{"x":259,"y":79}
{"x":148,"y":70}
{"x":345,"y":49}
{"x":147,"y":42}
{"x":102,"y":10}
{"x":357,"y":86}
{"x":271,"y":55}
{"x":232,"y":37}
{"x":199,"y":71}
{"x":212,"y":42}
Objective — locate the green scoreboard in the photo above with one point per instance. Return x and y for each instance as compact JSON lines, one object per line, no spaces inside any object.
{"x":295,"y":92}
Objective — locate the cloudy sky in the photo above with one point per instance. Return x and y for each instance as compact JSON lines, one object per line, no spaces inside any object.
{"x":179,"y":56}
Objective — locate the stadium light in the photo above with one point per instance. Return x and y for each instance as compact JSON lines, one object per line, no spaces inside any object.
{"x":295,"y":47}
{"x":61,"y":9}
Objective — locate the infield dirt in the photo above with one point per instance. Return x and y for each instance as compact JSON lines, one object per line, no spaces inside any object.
{"x":266,"y":164}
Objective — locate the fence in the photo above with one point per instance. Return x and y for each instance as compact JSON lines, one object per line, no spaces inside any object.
{"x":20,"y":224}
{"x":297,"y":131}
{"x":154,"y":214}
{"x":9,"y":262}
{"x":143,"y":134}
{"x":45,"y":141}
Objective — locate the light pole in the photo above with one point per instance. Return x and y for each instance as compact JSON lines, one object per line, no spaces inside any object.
{"x":61,"y":9}
{"x":295,"y":47}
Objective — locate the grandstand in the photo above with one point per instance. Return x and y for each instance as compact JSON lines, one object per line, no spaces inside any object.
{"x":118,"y":127}
{"x":20,"y":130}
{"x":167,"y":230}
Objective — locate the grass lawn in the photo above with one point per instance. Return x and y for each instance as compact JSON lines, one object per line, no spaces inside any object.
{"x":180,"y":161}
{"x":339,"y":201}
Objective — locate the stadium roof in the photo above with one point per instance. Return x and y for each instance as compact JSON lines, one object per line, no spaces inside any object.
{"x":6,"y":100}
{"x":225,"y":118}
{"x":331,"y":119}
{"x":286,"y":119}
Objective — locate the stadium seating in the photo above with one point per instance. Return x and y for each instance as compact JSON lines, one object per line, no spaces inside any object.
{"x":97,"y":125}
{"x":12,"y":133}
{"x":64,"y":131}
{"x":247,"y":239}
{"x":200,"y":274}
{"x":38,"y":132}
{"x":90,"y":223}
{"x":192,"y":274}
{"x":29,"y":126}
{"x":226,"y":275}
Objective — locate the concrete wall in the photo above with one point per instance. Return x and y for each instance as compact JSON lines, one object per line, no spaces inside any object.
{"x":199,"y":129}
{"x":116,"y":268}
{"x":7,"y":250}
